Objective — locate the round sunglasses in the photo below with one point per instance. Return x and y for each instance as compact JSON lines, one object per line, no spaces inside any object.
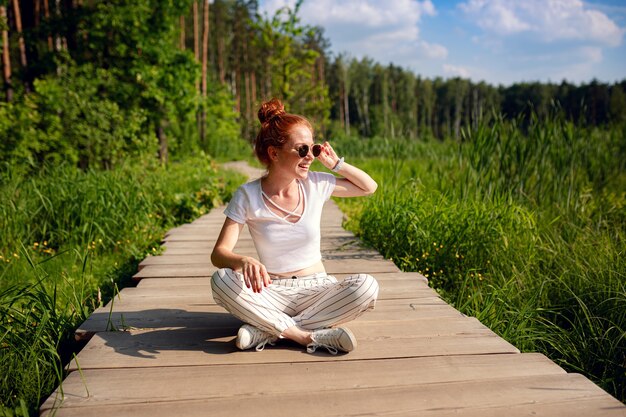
{"x":303,"y":150}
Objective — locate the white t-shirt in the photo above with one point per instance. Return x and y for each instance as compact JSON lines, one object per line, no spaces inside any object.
{"x":283,"y":246}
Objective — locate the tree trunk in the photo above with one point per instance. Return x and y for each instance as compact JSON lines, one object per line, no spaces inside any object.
{"x":18,"y":27}
{"x":342,"y":117}
{"x":6,"y":58}
{"x":37,"y":13}
{"x":205,"y":47}
{"x":253,"y":88}
{"x":248,"y":105}
{"x":320,"y":75}
{"x":46,"y":13}
{"x":346,"y":105}
{"x":366,"y":114}
{"x":163,"y":155}
{"x":182,"y":33}
{"x":60,"y":41}
{"x":220,"y":59}
{"x":248,"y":118}
{"x":196,"y":36}
{"x":205,"y":60}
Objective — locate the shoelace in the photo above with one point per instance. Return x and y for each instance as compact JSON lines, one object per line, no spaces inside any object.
{"x":264,"y":342}
{"x":312,"y":347}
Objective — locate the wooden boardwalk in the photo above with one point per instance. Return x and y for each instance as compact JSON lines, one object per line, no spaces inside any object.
{"x":165,"y":349}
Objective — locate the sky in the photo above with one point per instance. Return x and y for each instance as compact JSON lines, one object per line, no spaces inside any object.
{"x":497,"y":41}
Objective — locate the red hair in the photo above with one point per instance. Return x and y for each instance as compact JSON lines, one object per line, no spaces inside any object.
{"x":276,"y":125}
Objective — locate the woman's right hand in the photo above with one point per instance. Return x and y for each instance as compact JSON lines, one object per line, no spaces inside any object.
{"x":255,"y":275}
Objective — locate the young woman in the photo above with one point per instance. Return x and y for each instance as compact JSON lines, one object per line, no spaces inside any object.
{"x":286,"y":293}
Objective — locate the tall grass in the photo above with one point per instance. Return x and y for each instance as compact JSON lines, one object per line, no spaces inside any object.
{"x":524,"y":229}
{"x":69,"y":239}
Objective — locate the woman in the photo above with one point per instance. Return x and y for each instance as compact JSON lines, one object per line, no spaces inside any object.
{"x":286,"y":293}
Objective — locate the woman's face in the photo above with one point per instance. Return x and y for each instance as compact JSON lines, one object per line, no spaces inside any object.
{"x":289,"y":160}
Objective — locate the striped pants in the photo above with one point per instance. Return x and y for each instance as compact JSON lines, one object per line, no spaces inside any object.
{"x":311,"y":302}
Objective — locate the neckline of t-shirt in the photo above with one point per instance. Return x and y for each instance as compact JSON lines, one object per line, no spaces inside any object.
{"x":304,"y":211}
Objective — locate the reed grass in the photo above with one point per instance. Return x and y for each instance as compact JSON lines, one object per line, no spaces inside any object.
{"x":522,"y":228}
{"x":70,"y":238}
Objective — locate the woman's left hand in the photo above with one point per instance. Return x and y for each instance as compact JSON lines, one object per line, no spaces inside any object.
{"x":328,"y":157}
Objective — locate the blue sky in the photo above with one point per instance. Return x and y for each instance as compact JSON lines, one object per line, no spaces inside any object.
{"x":497,"y":41}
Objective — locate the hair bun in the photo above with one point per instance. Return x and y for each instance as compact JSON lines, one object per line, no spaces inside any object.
{"x":271,"y":109}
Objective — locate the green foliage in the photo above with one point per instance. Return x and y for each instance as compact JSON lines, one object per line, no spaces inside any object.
{"x":290,"y":61}
{"x":70,"y":237}
{"x":223,"y":139}
{"x":525,"y":231}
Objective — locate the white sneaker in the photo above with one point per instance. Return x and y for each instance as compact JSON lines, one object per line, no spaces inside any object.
{"x":334,"y":340}
{"x":250,"y":337}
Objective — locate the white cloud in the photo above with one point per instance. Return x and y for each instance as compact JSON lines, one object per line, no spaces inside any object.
{"x":496,"y":16}
{"x":432,"y":50}
{"x":580,"y":65}
{"x":456,"y":71}
{"x":381,"y":29}
{"x":551,"y":20}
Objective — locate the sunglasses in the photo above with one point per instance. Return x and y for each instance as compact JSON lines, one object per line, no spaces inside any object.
{"x":303,"y":150}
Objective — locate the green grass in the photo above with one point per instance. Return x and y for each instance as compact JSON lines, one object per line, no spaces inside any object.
{"x":523,"y":229}
{"x":70,"y":239}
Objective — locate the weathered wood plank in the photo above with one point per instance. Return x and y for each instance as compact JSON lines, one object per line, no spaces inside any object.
{"x":391,"y":289}
{"x":211,"y":237}
{"x":371,"y":266}
{"x":111,"y":386}
{"x":383,"y":278}
{"x":337,"y":263}
{"x":169,"y":313}
{"x":183,"y":257}
{"x":180,"y":347}
{"x":518,"y":396}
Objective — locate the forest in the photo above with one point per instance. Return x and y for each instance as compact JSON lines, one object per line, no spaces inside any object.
{"x":171,"y":77}
{"x":114,"y":116}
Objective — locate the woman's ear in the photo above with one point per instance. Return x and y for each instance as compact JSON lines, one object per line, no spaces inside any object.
{"x":272,"y":152}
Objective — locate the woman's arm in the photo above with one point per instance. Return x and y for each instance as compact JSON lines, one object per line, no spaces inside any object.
{"x":254,"y":273}
{"x":355,"y":182}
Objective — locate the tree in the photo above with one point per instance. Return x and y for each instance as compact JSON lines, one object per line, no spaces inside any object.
{"x":362,"y":78}
{"x":196,"y":31}
{"x":617,"y":106}
{"x":205,"y":60}
{"x":344,"y":92}
{"x":17,"y":15}
{"x":6,"y":56}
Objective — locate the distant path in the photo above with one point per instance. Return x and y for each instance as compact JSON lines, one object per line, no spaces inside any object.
{"x":244,"y":168}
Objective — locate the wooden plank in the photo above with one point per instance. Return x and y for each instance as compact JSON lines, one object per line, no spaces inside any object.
{"x":187,"y":251}
{"x":517,"y":396}
{"x":169,"y":313}
{"x":329,"y":233}
{"x":339,"y":244}
{"x":388,"y":290}
{"x":181,"y":347}
{"x":360,"y":259}
{"x":201,"y":254}
{"x":111,"y":386}
{"x":189,"y":245}
{"x":398,"y":289}
{"x":372,"y":266}
{"x":382,"y":278}
{"x":175,"y":260}
{"x":215,"y":227}
{"x":159,"y":318}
